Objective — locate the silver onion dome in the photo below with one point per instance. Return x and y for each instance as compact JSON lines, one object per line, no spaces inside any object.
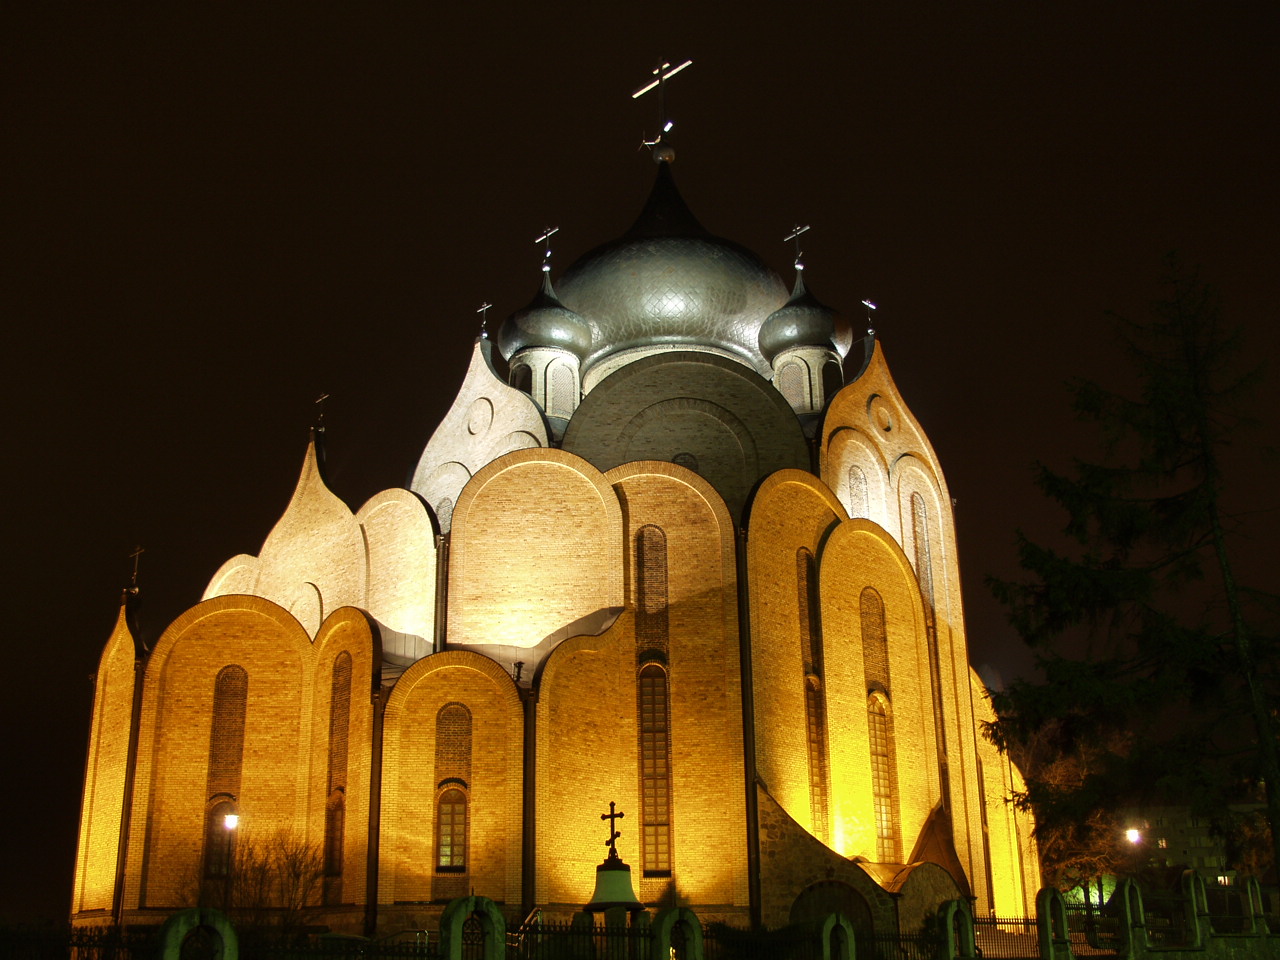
{"x":667,"y":280}
{"x":545,"y":322}
{"x":804,"y":321}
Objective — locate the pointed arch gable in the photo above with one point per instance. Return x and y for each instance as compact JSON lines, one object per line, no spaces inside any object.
{"x":791,"y":511}
{"x":102,"y":802}
{"x":511,"y":517}
{"x":400,"y":550}
{"x":859,"y":474}
{"x":860,"y":554}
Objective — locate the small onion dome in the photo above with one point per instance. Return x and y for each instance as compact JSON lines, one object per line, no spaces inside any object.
{"x":804,"y":321}
{"x":545,"y":322}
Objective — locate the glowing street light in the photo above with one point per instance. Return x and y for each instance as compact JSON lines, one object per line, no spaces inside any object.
{"x":231,"y":821}
{"x":1133,"y":835}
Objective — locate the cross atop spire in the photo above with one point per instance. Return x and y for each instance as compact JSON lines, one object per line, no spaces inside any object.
{"x":547,"y":234}
{"x":484,"y":319}
{"x":133,"y":581}
{"x":795,"y":235}
{"x":664,"y":72}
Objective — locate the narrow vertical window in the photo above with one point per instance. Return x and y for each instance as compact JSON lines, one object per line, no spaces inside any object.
{"x":226,"y":758}
{"x":858,"y":498}
{"x":451,"y":831}
{"x":651,"y":590}
{"x":453,"y":779}
{"x":883,"y":781}
{"x":655,"y":770}
{"x":335,"y":806}
{"x":814,"y":695}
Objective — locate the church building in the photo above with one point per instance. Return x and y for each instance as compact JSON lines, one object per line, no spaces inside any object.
{"x":693,"y":555}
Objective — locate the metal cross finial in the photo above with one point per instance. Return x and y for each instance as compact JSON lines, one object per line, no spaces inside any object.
{"x":133,"y":582}
{"x":795,"y":235}
{"x":664,"y":72}
{"x":612,"y":816}
{"x":320,"y":412}
{"x":871,"y":331}
{"x":484,"y":319}
{"x":547,"y":234}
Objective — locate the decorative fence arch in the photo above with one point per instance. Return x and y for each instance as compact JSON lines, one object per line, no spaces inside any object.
{"x":492,"y":924}
{"x":185,"y":922}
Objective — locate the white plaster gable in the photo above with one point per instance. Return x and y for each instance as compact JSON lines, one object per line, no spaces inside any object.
{"x":488,"y":419}
{"x":320,"y":556}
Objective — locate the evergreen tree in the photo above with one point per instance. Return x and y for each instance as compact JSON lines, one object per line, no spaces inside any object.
{"x":1160,"y":679}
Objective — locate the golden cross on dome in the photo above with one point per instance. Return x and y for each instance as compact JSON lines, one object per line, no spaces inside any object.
{"x":484,"y":319}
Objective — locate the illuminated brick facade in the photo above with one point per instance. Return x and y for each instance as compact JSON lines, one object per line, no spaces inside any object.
{"x":727,"y":599}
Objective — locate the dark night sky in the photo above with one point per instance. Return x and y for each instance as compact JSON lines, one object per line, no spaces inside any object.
{"x":212,"y":215}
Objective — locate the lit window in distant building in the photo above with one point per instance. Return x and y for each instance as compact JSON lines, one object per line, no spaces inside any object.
{"x":1162,"y":843}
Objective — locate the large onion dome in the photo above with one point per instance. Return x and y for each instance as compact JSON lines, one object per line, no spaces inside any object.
{"x":545,"y":322}
{"x":804,"y":321}
{"x":668,"y":281}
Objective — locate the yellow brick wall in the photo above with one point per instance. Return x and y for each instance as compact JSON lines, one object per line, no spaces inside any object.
{"x":171,"y":778}
{"x":350,"y":631}
{"x":708,"y":780}
{"x":860,"y":554}
{"x":791,"y":509}
{"x":535,"y":546}
{"x":407,"y":852}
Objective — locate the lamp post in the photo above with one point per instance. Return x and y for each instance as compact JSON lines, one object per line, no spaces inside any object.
{"x":230,"y":822}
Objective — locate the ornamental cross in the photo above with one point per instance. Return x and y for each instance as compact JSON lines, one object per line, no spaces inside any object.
{"x":795,"y":235}
{"x":612,"y":816}
{"x":547,"y":234}
{"x":320,"y":412}
{"x":484,"y":319}
{"x":664,"y":72}
{"x":137,"y":552}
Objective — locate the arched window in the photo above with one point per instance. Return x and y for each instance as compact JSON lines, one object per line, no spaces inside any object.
{"x":453,"y":784}
{"x":651,"y":590}
{"x":793,"y":383}
{"x":875,"y":640}
{"x":226,"y":758}
{"x":522,"y":377}
{"x":884,"y":780}
{"x":562,"y":391}
{"x":451,"y":831}
{"x":655,"y":770}
{"x":859,"y":504}
{"x":814,"y":696}
{"x":335,"y":807}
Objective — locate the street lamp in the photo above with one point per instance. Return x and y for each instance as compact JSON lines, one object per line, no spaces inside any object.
{"x":1133,"y":835}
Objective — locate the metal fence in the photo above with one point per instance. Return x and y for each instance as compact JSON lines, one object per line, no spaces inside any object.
{"x":540,"y":941}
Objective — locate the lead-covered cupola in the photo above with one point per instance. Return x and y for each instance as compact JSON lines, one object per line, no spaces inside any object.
{"x":668,"y":284}
{"x":544,"y":344}
{"x":805,"y":342}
